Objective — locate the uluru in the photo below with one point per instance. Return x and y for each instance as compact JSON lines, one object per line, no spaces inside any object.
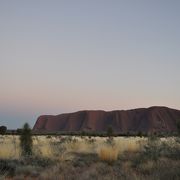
{"x":152,"y":119}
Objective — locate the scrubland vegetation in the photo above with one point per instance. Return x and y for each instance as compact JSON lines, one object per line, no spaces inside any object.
{"x":72,"y":157}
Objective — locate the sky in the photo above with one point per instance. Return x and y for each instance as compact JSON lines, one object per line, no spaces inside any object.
{"x":64,"y":56}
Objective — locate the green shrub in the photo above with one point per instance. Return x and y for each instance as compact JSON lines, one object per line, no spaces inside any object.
{"x":153,"y":149}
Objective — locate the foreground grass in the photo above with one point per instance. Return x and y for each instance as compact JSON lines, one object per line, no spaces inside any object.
{"x":52,"y":146}
{"x":91,"y":158}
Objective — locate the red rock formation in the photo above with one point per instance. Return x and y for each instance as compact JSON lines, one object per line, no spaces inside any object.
{"x":153,"y":119}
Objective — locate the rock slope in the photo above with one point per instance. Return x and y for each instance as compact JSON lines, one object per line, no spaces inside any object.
{"x":153,"y":119}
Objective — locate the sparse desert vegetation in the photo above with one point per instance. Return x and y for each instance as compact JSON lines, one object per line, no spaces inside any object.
{"x":73,"y":157}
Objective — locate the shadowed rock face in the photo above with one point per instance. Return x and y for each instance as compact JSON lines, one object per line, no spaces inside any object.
{"x":153,"y":119}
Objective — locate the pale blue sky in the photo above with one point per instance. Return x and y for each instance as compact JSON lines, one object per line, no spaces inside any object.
{"x":64,"y":56}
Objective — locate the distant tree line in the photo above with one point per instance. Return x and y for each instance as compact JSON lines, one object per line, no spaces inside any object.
{"x":108,"y":133}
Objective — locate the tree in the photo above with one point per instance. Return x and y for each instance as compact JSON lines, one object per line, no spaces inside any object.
{"x":110,"y":131}
{"x":178,"y":127}
{"x":139,"y":134}
{"x":26,"y":142}
{"x":83,"y":133}
{"x":3,"y":130}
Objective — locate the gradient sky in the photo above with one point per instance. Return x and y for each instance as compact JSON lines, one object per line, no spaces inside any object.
{"x":64,"y":56}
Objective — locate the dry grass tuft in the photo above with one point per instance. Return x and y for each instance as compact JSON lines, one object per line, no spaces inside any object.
{"x":108,"y":154}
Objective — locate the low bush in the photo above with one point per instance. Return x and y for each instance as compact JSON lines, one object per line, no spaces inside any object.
{"x":110,"y":141}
